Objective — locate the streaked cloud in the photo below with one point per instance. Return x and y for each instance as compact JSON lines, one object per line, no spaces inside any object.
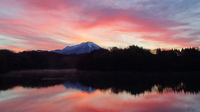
{"x":149,"y":23}
{"x":59,"y":98}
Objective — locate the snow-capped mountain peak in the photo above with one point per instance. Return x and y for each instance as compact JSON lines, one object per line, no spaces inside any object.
{"x":82,"y":48}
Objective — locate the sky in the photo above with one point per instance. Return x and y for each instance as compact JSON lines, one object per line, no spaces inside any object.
{"x":54,"y":24}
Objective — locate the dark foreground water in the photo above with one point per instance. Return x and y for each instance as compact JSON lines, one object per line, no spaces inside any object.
{"x":74,"y":91}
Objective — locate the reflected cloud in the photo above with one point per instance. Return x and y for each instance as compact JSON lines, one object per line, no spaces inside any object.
{"x":58,"y":98}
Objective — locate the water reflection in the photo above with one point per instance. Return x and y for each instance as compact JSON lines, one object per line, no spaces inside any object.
{"x":78,"y":86}
{"x":99,"y":91}
{"x":61,"y":99}
{"x":135,"y":83}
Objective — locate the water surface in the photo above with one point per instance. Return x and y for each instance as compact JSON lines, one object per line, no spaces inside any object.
{"x":74,"y":93}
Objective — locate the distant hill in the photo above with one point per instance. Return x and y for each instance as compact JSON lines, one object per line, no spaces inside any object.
{"x":85,"y":47}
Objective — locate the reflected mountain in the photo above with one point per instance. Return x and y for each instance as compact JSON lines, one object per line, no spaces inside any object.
{"x":132,"y":82}
{"x":78,"y":86}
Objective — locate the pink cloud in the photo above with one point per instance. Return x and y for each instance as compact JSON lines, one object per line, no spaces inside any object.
{"x":17,"y":49}
{"x":60,"y":99}
{"x":71,"y":21}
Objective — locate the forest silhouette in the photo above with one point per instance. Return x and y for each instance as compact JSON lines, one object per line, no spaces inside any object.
{"x":133,"y":58}
{"x":136,"y":58}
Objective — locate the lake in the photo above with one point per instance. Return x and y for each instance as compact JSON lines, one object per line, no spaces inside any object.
{"x":78,"y":91}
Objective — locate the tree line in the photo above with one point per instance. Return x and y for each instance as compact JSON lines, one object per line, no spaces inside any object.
{"x":133,"y":58}
{"x":29,"y":60}
{"x":136,"y":58}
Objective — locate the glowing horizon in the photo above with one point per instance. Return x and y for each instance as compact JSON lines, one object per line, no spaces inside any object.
{"x":54,"y":24}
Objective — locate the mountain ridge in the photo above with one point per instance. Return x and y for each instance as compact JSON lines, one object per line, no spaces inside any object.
{"x":84,"y":47}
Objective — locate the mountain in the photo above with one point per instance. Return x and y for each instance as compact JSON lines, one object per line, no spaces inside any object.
{"x":85,"y":47}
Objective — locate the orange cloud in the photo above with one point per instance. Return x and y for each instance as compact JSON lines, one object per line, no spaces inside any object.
{"x":60,"y":99}
{"x":67,"y":22}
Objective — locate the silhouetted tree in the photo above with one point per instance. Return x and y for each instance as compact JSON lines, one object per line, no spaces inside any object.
{"x":133,"y":58}
{"x":136,"y":58}
{"x":27,"y":60}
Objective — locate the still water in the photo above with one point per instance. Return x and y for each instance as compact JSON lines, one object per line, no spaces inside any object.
{"x":77,"y":98}
{"x":93,"y":94}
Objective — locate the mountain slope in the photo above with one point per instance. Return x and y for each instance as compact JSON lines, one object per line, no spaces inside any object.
{"x":82,"y":48}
